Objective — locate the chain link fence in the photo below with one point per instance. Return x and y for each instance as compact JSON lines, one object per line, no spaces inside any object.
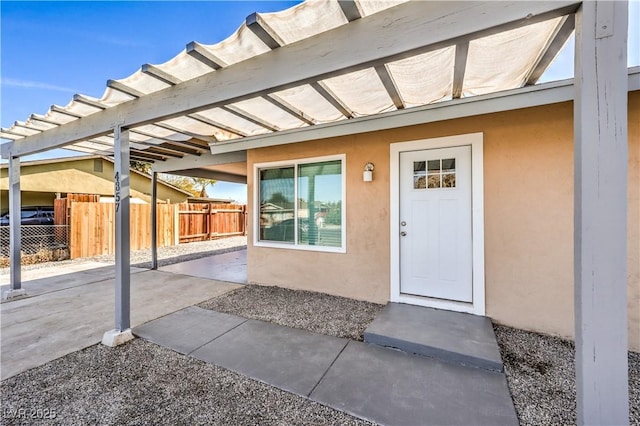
{"x":39,"y":242}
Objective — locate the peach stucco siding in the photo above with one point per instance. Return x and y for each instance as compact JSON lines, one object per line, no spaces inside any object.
{"x":528,"y":200}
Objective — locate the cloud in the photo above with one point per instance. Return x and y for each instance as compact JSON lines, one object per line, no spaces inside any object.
{"x":14,"y":82}
{"x":120,"y":41}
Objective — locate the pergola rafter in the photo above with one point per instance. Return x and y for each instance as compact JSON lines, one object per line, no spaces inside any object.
{"x":331,"y":97}
{"x":123,"y":88}
{"x":462,"y":51}
{"x":157,"y":73}
{"x":263,"y":31}
{"x":275,"y":100}
{"x":88,"y":101}
{"x":389,"y":85}
{"x":197,"y":51}
{"x":556,"y":43}
{"x":238,"y":112}
{"x":350,"y":9}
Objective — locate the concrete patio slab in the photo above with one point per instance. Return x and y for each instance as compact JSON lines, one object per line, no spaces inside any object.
{"x":56,"y":278}
{"x":52,"y":270}
{"x":39,"y":329}
{"x":188,"y":329}
{"x":450,"y":336}
{"x":392,"y":387}
{"x":229,"y":267}
{"x":290,"y":359}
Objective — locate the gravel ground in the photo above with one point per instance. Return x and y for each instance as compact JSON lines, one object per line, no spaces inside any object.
{"x":541,"y":376}
{"x":315,"y":312}
{"x":142,"y":383}
{"x":166,"y":255}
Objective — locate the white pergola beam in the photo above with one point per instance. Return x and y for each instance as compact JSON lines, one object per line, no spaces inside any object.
{"x":145,"y":156}
{"x":387,"y":81}
{"x":232,"y":109}
{"x":88,"y":101}
{"x":330,"y":97}
{"x":559,"y":39}
{"x":60,"y":110}
{"x":214,"y":123}
{"x":43,"y":119}
{"x":263,"y":31}
{"x":350,"y":9}
{"x":395,"y":33}
{"x":212,"y":174}
{"x":154,"y":220}
{"x":600,"y":213}
{"x":120,"y":87}
{"x":277,"y":101}
{"x":462,"y":50}
{"x":166,"y":126}
{"x":15,"y":269}
{"x":180,"y":148}
{"x":201,"y":54}
{"x":122,"y":331}
{"x":206,"y":159}
{"x":158,"y":74}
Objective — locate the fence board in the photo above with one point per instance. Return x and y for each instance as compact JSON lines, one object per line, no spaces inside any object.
{"x":93,"y":228}
{"x":201,"y":222}
{"x":92,"y":225}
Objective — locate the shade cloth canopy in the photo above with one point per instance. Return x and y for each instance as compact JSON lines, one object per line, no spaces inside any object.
{"x":497,"y":62}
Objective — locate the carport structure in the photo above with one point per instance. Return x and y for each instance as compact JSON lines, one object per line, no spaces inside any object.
{"x":344,"y":67}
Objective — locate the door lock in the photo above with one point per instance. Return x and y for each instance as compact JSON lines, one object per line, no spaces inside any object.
{"x":403,"y":223}
{"x":404,"y":234}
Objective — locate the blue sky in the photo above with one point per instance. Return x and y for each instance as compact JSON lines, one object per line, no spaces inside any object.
{"x":51,"y":50}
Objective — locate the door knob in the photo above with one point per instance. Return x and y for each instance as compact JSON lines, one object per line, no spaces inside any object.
{"x":404,"y":234}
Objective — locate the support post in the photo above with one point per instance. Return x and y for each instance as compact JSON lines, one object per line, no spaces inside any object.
{"x":122,"y":331}
{"x":15,"y":242}
{"x":154,"y":220}
{"x":600,"y":213}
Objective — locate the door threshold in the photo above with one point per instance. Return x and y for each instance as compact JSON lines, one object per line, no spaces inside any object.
{"x":432,"y":302}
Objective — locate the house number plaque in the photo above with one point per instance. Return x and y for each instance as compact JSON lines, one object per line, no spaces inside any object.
{"x":117,"y":197}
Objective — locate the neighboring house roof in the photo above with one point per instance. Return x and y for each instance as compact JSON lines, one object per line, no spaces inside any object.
{"x":270,"y":206}
{"x":196,"y":200}
{"x":63,"y":177}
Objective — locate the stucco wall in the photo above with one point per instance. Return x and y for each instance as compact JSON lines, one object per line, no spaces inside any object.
{"x":528,"y":190}
{"x":28,"y":198}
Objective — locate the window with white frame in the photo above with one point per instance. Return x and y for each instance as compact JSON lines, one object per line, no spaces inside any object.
{"x":301,"y":204}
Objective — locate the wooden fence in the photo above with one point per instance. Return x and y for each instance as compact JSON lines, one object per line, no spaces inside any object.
{"x":92,"y":228}
{"x":92,"y":225}
{"x":200,"y":222}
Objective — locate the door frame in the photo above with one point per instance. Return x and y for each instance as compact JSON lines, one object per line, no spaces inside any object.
{"x":476,"y":141}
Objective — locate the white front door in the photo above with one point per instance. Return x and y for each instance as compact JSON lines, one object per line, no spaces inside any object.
{"x":436,"y":257}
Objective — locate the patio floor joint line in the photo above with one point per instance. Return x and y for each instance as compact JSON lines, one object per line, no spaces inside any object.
{"x":217,"y":337}
{"x":328,"y":368}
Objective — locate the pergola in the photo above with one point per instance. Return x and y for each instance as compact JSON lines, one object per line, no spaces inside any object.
{"x":324,"y":69}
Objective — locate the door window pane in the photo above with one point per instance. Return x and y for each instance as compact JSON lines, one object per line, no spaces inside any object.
{"x":440,"y":173}
{"x":434,"y":166}
{"x":449,"y":165}
{"x":419,"y":174}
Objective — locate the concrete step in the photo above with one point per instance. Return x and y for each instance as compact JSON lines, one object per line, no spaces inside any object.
{"x":453,"y":337}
